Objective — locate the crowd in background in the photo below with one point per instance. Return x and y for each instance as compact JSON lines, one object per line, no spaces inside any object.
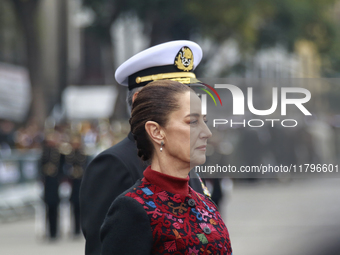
{"x":63,"y":150}
{"x":95,"y":136}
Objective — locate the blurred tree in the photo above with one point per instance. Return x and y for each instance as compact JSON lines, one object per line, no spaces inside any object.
{"x":266,"y":23}
{"x":11,"y":38}
{"x":290,"y":21}
{"x":26,"y":12}
{"x":253,"y":25}
{"x":164,"y":20}
{"x":106,"y":13}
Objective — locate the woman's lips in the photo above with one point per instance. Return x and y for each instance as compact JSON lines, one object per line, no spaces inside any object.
{"x":202,"y":148}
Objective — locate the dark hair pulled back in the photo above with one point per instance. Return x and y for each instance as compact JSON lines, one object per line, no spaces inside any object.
{"x":153,"y":103}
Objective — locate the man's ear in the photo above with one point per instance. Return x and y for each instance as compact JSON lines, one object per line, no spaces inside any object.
{"x":134,"y":96}
{"x":154,"y":131}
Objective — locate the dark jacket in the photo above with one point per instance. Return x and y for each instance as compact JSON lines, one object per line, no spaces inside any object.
{"x":51,"y":165}
{"x":111,"y":173}
{"x":148,"y":219}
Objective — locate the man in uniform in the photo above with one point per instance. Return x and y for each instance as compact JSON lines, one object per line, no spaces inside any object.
{"x":119,"y":167}
{"x":51,"y":174}
{"x":75,"y":163}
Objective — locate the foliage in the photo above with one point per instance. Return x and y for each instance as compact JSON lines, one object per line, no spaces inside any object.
{"x":163,"y":20}
{"x":265,"y":23}
{"x":253,"y":24}
{"x":106,"y":12}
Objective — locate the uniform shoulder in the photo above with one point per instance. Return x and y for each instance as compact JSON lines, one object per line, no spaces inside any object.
{"x":118,"y":148}
{"x":124,"y":151}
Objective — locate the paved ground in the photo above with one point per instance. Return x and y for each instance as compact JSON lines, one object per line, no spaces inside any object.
{"x":19,"y":238}
{"x":268,"y":218}
{"x":298,"y":218}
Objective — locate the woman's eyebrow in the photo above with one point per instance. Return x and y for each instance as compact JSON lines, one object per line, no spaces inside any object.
{"x":193,"y":115}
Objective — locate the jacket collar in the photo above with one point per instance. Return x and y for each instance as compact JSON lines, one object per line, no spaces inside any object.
{"x":130,"y":136}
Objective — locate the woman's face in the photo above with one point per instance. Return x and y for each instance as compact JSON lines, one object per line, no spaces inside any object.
{"x":186,"y":132}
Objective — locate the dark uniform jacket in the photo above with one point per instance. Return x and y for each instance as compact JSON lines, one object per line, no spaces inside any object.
{"x":161,"y":214}
{"x":51,"y":163}
{"x":111,"y":173}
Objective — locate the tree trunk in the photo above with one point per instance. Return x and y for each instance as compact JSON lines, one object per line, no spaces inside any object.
{"x":120,"y":111}
{"x":62,"y":48}
{"x":26,"y":12}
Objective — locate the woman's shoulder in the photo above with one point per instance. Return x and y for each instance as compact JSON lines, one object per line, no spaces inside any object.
{"x":126,"y":228}
{"x":140,"y":191}
{"x":143,"y":192}
{"x":124,"y":199}
{"x":126,"y":207}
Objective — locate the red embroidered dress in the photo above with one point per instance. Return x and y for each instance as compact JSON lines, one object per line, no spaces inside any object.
{"x":175,"y":220}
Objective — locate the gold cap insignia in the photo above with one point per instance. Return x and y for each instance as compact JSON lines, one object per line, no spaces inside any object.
{"x":185,"y":59}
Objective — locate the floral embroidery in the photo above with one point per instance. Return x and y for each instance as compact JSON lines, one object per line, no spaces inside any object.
{"x":180,"y":229}
{"x":193,"y":251}
{"x":147,"y":191}
{"x":151,"y":203}
{"x":202,"y":238}
{"x":163,"y":196}
{"x":170,"y":246}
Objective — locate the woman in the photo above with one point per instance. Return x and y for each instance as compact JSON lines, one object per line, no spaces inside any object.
{"x":161,"y":214}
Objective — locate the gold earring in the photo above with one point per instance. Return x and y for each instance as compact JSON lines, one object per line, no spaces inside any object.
{"x":161,"y":149}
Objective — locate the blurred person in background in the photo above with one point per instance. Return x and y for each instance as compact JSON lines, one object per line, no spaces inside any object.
{"x":75,"y":164}
{"x":162,"y":214}
{"x":29,"y":137}
{"x":119,"y":167}
{"x":90,"y":138}
{"x":7,"y":136}
{"x":52,"y":174}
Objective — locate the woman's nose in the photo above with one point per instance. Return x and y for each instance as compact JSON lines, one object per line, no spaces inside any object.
{"x":205,"y":132}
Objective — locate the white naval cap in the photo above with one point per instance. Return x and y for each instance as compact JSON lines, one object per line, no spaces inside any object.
{"x":173,"y":60}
